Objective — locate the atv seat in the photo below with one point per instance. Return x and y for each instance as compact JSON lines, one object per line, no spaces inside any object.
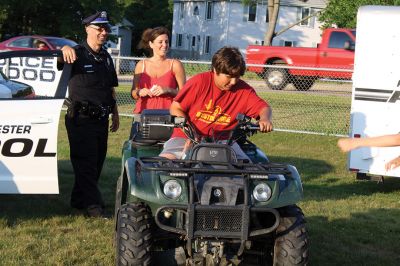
{"x":143,"y":133}
{"x":213,"y":152}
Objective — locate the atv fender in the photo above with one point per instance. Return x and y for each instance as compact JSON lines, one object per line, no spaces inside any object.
{"x":146,"y":186}
{"x":293,"y":189}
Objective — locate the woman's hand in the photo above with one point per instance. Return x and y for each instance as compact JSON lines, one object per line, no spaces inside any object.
{"x":145,"y":92}
{"x":157,"y":90}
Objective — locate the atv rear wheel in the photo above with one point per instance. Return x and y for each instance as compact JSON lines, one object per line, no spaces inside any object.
{"x":133,"y":235}
{"x":291,"y":242}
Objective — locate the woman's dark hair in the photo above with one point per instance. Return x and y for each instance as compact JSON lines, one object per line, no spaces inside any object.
{"x":228,"y":60}
{"x":149,"y":35}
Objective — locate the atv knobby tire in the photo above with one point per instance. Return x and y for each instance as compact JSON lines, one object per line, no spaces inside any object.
{"x":133,"y":235}
{"x":291,"y":242}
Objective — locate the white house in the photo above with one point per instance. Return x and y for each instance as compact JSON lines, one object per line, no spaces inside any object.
{"x":200,"y":28}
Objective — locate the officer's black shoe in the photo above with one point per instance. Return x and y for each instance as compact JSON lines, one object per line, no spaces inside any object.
{"x":95,"y":211}
{"x":77,"y":206}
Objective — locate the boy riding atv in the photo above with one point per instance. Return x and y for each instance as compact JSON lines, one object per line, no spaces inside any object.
{"x":213,"y":198}
{"x":211,"y":101}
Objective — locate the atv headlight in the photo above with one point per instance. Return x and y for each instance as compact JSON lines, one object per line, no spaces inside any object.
{"x":262,"y":192}
{"x":172,"y":189}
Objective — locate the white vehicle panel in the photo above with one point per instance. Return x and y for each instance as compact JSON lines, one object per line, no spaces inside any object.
{"x":29,"y":119}
{"x":39,"y":72}
{"x":28,"y":149}
{"x":376,"y":93}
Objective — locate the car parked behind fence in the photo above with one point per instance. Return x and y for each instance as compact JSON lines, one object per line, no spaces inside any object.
{"x":30,"y":42}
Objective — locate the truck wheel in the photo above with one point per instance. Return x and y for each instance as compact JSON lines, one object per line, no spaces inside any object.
{"x":133,"y":236}
{"x":276,"y":78}
{"x":303,"y":84}
{"x":291,"y":242}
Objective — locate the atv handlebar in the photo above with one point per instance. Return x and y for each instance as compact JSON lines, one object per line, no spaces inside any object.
{"x":243,"y":129}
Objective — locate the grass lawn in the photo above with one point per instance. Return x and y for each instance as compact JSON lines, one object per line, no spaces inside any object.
{"x":349,"y":222}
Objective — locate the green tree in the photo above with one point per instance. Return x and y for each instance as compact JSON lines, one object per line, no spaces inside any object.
{"x":147,"y":14}
{"x":343,"y":13}
{"x":51,"y":17}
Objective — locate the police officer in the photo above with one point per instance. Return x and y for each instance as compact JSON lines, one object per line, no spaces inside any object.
{"x":91,"y":100}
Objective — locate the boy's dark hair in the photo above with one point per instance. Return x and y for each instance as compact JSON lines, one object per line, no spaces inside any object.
{"x":149,"y":35}
{"x":228,"y":60}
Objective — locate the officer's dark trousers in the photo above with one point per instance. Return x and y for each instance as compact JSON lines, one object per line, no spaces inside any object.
{"x":88,"y":147}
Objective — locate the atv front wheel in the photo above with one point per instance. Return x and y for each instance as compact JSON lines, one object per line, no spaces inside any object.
{"x":291,"y":242}
{"x":133,"y":235}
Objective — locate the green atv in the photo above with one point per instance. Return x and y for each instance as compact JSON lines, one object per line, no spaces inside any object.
{"x":210,"y":208}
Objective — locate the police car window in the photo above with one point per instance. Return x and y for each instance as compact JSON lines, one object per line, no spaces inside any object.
{"x":338,"y":39}
{"x":31,"y":77}
{"x":23,"y":42}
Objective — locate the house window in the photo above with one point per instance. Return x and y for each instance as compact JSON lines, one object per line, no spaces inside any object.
{"x":178,"y":40}
{"x":209,"y":10}
{"x":207,"y":47}
{"x":305,"y":11}
{"x":196,"y":11}
{"x":194,"y":41}
{"x":252,"y":12}
{"x":181,"y":9}
{"x":288,"y":43}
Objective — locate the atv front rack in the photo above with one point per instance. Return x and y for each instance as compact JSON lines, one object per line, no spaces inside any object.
{"x":217,"y":221}
{"x":207,"y":167}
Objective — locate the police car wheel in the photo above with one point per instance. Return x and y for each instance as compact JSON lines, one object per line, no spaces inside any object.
{"x":133,"y":235}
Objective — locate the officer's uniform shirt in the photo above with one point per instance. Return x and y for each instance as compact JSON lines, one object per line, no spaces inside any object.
{"x":92,"y":77}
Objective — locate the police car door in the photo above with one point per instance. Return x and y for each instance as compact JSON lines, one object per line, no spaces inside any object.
{"x":32,"y":93}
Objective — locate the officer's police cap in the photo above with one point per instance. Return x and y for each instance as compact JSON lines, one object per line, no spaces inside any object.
{"x":97,"y":18}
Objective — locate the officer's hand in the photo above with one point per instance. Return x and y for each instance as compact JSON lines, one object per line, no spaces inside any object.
{"x":69,"y":54}
{"x":265,"y":125}
{"x":114,"y":122}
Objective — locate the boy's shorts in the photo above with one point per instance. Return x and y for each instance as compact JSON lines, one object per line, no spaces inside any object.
{"x":175,"y":147}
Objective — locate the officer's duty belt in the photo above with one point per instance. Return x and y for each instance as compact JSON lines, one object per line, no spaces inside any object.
{"x":87,"y":109}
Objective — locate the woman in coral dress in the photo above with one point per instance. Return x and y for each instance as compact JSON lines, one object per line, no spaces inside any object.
{"x":157,"y":79}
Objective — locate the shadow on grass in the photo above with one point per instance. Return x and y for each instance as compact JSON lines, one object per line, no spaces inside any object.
{"x":306,"y":167}
{"x":339,"y":191}
{"x":333,"y":188}
{"x":15,"y":207}
{"x":363,"y":238}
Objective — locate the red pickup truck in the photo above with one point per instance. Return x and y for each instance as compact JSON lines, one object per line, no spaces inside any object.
{"x":336,"y":51}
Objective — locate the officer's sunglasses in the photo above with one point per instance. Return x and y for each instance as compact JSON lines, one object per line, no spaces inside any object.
{"x":101,"y":28}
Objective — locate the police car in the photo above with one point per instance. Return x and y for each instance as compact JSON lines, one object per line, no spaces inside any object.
{"x":28,"y":126}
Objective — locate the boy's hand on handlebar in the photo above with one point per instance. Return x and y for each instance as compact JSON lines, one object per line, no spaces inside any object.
{"x":265,"y":125}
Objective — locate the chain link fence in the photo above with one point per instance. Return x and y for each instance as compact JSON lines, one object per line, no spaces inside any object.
{"x":303,"y":99}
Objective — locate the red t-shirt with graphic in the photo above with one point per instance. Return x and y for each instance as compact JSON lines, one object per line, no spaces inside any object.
{"x":213,"y":111}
